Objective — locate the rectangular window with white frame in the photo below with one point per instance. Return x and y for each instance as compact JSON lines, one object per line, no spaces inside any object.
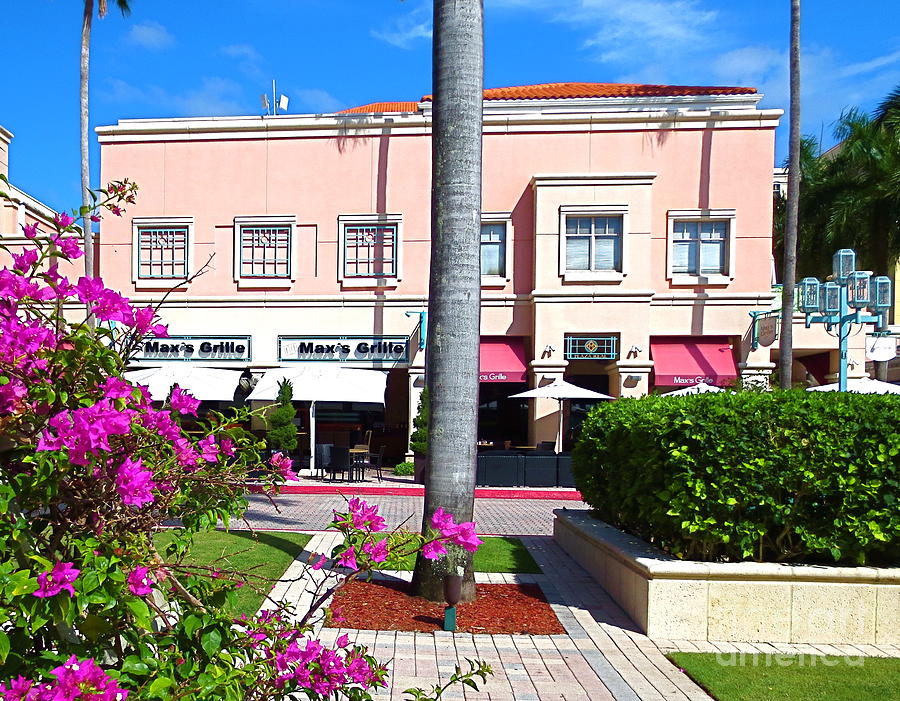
{"x":496,"y":254}
{"x":264,"y":251}
{"x":161,"y":250}
{"x":594,"y":243}
{"x":701,"y":246}
{"x":369,"y":250}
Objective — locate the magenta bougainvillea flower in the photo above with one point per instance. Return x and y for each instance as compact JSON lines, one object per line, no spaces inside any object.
{"x":83,"y":680}
{"x":60,"y":578}
{"x":140,"y":582}
{"x":134,"y":483}
{"x":348,"y":559}
{"x":63,"y":220}
{"x":209,"y":449}
{"x":284,"y":465}
{"x":434,"y":550}
{"x":377,"y":552}
{"x":30,"y":230}
{"x":182,"y":402}
{"x":365,"y":516}
{"x":226,"y":445}
{"x":68,"y":246}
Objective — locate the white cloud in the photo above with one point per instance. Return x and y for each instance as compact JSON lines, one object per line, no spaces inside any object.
{"x":150,"y":35}
{"x":314,"y":100}
{"x":249,"y":60}
{"x":407,"y":29}
{"x":213,"y":97}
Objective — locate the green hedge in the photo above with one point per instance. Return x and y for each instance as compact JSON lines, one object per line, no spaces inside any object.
{"x":780,"y":476}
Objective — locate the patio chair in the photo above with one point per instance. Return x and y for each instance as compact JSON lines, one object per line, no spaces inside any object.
{"x":376,"y":461}
{"x":340,"y":462}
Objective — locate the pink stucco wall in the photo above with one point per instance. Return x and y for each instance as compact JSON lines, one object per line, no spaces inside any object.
{"x":319,"y":178}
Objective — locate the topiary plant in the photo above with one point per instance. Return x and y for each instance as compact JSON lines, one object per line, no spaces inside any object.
{"x":282,"y":433}
{"x":418,"y":440}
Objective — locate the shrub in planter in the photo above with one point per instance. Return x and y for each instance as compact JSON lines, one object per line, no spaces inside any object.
{"x":404,"y":469}
{"x":770,"y":476}
{"x":91,"y":467}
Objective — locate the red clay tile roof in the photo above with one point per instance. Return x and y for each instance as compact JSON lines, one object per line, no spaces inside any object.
{"x":382,"y":107}
{"x":561,"y":91}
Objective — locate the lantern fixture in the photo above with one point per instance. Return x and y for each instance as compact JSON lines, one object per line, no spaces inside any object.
{"x":859,"y":294}
{"x":842,"y":264}
{"x":808,"y":295}
{"x":830,"y":298}
{"x":881,"y":293}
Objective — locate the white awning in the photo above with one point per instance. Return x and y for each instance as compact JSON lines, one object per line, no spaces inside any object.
{"x":323,"y":383}
{"x":208,"y":384}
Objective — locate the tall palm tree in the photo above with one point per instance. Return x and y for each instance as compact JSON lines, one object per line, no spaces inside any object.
{"x":454,"y":296}
{"x":789,"y":268}
{"x":125,"y":7}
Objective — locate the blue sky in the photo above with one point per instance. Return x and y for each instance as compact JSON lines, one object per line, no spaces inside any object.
{"x":214,"y":57}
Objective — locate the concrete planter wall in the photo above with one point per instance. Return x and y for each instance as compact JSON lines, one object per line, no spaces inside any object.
{"x":747,"y":601}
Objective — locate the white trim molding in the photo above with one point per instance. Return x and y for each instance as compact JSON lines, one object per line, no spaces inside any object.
{"x":729,"y":215}
{"x":138,"y":223}
{"x":345,"y":220}
{"x":268,"y":283}
{"x":593,"y":210}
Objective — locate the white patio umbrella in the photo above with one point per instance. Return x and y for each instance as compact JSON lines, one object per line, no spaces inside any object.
{"x":699,"y":388}
{"x":208,"y":384}
{"x":860,"y":385}
{"x":560,"y":390}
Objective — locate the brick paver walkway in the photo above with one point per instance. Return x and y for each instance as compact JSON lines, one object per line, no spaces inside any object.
{"x":601,"y":657}
{"x":313,"y":512}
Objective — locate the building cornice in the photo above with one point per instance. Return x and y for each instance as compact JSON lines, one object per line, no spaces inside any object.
{"x":601,"y":114}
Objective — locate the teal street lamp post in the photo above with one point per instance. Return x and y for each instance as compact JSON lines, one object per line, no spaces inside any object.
{"x":840,"y":302}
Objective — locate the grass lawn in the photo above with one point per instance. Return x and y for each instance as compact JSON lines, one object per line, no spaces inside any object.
{"x":498,"y":554}
{"x":265,"y":553}
{"x":834,"y":679}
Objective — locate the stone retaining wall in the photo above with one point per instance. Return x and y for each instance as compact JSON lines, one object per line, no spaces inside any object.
{"x":747,"y":601}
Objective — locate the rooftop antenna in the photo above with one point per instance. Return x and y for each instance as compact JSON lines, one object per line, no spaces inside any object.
{"x":278,"y":102}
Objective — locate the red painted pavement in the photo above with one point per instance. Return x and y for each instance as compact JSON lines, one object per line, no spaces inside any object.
{"x":484,"y":493}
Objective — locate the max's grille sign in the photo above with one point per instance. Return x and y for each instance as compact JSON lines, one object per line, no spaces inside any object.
{"x":344,"y":349}
{"x":202,"y":348}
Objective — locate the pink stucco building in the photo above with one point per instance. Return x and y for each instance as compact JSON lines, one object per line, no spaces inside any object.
{"x":626,"y":236}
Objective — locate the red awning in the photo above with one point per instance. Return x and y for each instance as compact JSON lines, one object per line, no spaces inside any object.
{"x":689,"y":360}
{"x":502,"y":360}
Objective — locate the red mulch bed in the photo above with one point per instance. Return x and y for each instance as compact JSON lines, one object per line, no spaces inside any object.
{"x":497,"y":609}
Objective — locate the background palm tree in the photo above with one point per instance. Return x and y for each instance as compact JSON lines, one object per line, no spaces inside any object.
{"x":454,"y":293}
{"x":125,"y":8}
{"x":789,"y":268}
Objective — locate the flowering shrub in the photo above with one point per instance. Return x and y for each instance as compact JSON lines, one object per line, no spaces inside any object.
{"x":90,"y":467}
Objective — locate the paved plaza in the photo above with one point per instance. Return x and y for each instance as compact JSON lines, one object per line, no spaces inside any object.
{"x":601,"y":657}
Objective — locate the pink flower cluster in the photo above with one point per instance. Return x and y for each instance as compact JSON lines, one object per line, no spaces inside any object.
{"x":134,"y":483}
{"x":61,"y":577}
{"x":284,"y":465}
{"x":74,"y":680}
{"x":364,"y":516}
{"x":324,"y":670}
{"x":86,"y":431}
{"x":461,"y":534}
{"x":140,"y":583}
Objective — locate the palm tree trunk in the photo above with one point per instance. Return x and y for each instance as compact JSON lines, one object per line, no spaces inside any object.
{"x":789,"y":269}
{"x":454,"y":302}
{"x":85,"y":143}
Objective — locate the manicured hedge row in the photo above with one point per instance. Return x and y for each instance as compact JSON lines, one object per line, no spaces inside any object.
{"x":768,"y":476}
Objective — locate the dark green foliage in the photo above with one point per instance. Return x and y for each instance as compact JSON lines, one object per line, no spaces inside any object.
{"x":780,"y":476}
{"x":418,"y":441}
{"x":404,"y":469}
{"x":282,"y":433}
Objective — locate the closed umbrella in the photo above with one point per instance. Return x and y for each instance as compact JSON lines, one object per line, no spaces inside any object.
{"x":860,"y":385}
{"x":560,"y":390}
{"x":699,"y":388}
{"x":207,"y":384}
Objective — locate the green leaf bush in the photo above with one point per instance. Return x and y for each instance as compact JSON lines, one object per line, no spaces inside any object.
{"x":418,"y":439}
{"x":404,"y":469}
{"x":766,"y":476}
